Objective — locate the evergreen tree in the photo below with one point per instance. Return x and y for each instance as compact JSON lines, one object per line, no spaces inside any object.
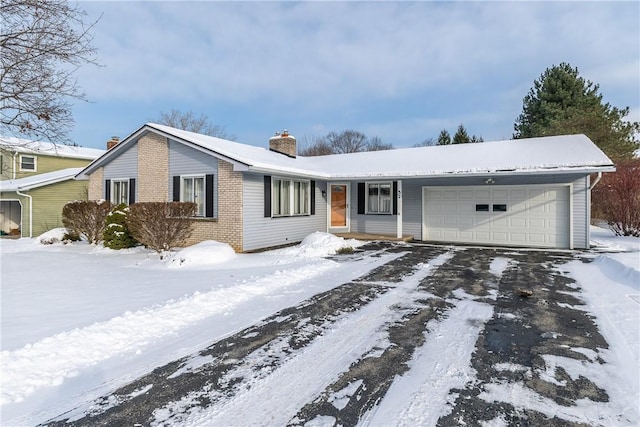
{"x":116,"y":233}
{"x":461,"y":136}
{"x":444,"y":138}
{"x":561,"y":102}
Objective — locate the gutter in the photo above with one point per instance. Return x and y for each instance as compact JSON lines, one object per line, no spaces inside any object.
{"x":30,"y":211}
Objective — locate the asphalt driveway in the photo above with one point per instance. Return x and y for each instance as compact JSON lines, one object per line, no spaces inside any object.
{"x":535,"y":313}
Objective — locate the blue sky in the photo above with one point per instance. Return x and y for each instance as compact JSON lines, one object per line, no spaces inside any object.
{"x":401,"y":71}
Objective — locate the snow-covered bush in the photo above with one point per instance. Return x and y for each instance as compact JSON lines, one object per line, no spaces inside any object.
{"x":86,"y":218}
{"x":116,"y":233}
{"x":161,"y":226}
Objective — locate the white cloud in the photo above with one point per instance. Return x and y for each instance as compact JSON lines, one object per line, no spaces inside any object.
{"x":319,"y":58}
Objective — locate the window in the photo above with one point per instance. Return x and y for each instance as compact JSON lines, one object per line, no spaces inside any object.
{"x":192,"y":190}
{"x":379,"y":198}
{"x":28,"y":163}
{"x":499,"y":208}
{"x":120,"y":191}
{"x":290,"y":197}
{"x":482,"y":208}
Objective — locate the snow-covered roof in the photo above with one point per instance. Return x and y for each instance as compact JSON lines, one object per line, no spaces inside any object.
{"x":49,"y":149}
{"x":555,"y":154}
{"x":39,"y":180}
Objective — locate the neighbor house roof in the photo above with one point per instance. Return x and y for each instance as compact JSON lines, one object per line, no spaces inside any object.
{"x":555,"y":154}
{"x":40,"y":180}
{"x":26,"y":146}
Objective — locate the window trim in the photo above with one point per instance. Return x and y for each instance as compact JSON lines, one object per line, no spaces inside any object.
{"x":203,"y":204}
{"x":275,"y":201}
{"x":391,"y":197}
{"x":35,"y":163}
{"x":112,"y":192}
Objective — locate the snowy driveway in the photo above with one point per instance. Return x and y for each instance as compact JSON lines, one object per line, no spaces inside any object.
{"x":436,"y":336}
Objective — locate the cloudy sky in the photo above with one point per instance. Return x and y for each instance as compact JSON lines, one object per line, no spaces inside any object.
{"x":401,"y":71}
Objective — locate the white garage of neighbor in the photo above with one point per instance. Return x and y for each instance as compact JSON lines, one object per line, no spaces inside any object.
{"x":515,"y":215}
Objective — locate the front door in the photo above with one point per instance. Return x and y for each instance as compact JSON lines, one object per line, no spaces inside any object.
{"x":339,"y":205}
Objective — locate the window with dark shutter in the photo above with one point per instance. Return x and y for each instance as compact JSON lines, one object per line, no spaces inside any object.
{"x":132,"y":191}
{"x":107,"y":190}
{"x":176,"y":188}
{"x":394,"y":194}
{"x":362,"y":198}
{"x":267,"y":196}
{"x":209,"y":196}
{"x":313,"y":198}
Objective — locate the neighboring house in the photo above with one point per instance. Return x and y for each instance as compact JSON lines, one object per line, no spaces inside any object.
{"x":36,"y":180}
{"x":530,"y":192}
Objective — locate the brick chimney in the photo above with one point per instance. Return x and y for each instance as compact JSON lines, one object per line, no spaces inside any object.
{"x":113,"y":142}
{"x":283,"y":143}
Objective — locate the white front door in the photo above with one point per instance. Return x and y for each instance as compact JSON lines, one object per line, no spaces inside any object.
{"x":517,"y":215}
{"x":339,"y":207}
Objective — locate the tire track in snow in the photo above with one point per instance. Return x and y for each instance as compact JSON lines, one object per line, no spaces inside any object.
{"x":308,"y":373}
{"x":51,"y":361}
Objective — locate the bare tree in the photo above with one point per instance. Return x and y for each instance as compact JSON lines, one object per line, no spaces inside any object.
{"x":348,"y":141}
{"x":428,"y":142}
{"x":375,"y":144}
{"x":193,"y":123}
{"x":42,"y":44}
{"x":319,"y":147}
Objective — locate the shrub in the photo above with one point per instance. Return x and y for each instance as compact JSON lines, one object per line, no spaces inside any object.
{"x":161,"y":226}
{"x":86,"y":218}
{"x":116,"y":233}
{"x":616,"y":199}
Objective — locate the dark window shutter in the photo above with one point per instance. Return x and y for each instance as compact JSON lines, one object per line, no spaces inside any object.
{"x":107,"y":190}
{"x":208,"y":188}
{"x":313,"y":197}
{"x":176,"y":188}
{"x":395,"y":197}
{"x":362,"y":198}
{"x":267,"y":196}
{"x":132,"y":191}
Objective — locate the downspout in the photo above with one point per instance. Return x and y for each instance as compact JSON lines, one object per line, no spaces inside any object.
{"x":593,"y":184}
{"x":596,"y":181}
{"x":13,"y":166}
{"x":30,"y":211}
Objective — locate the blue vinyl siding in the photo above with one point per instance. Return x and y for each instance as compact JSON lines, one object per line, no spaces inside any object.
{"x":184,"y":160}
{"x":123,"y":166}
{"x":260,"y":232}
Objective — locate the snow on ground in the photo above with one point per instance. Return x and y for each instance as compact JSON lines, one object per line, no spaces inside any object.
{"x":87,"y":319}
{"x":78,"y":321}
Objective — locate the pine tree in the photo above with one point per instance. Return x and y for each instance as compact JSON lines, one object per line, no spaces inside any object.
{"x":461,"y":136}
{"x":561,"y":103}
{"x":444,"y":138}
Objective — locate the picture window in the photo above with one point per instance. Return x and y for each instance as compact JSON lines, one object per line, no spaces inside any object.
{"x":290,"y":197}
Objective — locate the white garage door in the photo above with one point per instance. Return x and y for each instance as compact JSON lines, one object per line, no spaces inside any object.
{"x":498,"y":215}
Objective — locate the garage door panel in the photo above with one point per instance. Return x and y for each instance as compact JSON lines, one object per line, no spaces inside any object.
{"x":535,"y":215}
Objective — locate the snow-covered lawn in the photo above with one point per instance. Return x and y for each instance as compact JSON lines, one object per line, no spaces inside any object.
{"x":79,"y":321}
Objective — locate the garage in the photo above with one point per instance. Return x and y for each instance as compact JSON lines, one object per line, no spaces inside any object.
{"x":10,"y":217}
{"x":509,"y":215}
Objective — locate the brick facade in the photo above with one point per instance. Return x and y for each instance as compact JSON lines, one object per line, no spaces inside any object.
{"x":96,"y":181}
{"x":153,"y":168}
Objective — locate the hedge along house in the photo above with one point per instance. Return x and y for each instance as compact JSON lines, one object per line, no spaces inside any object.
{"x":36,"y":181}
{"x":528,"y":193}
